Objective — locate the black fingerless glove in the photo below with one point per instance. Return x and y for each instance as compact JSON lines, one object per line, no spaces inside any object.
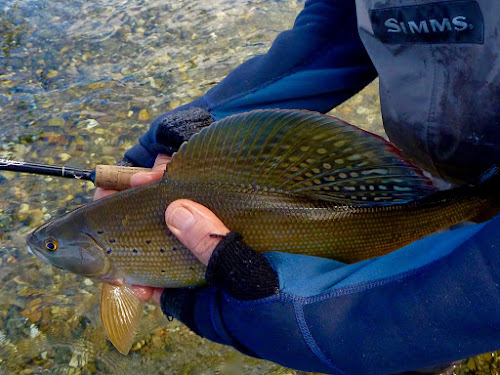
{"x":126,"y":163}
{"x":178,"y":126}
{"x":234,"y":267}
{"x":242,"y":272}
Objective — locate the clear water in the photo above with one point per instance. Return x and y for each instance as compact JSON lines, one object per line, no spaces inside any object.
{"x":80,"y":81}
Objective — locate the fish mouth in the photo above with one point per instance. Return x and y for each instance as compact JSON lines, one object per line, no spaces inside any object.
{"x":39,"y":255}
{"x":30,"y":250}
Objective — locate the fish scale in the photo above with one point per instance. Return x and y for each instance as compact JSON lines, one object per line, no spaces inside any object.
{"x":268,"y":222}
{"x":291,"y":181}
{"x":139,"y":232}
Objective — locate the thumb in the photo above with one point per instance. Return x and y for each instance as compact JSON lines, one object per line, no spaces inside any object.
{"x":193,"y":224}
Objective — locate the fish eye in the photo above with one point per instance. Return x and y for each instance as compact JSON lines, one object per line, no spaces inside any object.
{"x":51,"y":244}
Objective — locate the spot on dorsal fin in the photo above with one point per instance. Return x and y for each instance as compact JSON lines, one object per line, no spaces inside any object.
{"x":299,"y":152}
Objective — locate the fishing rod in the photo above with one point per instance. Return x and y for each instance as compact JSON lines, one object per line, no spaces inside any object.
{"x":104,"y":176}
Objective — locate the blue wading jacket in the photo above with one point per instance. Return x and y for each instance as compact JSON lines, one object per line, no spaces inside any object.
{"x":434,"y":301}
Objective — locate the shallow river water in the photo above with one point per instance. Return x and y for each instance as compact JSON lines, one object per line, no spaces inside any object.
{"x":80,"y":81}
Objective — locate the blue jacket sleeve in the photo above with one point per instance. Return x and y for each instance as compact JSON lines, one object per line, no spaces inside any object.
{"x":316,"y":65}
{"x":429,"y":303}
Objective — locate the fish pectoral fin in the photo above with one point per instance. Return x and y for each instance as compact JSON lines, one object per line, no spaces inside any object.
{"x":121,"y":310}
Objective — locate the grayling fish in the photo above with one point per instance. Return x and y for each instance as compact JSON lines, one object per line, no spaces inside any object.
{"x":292,"y":181}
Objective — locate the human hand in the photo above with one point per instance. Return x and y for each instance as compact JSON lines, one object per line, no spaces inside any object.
{"x":169,"y":131}
{"x":139,"y":179}
{"x":381,"y":306}
{"x":192,"y":224}
{"x":178,"y":216}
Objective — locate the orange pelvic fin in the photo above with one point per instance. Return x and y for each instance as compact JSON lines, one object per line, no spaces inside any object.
{"x":121,"y":310}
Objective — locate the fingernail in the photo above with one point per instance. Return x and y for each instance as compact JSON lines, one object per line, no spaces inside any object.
{"x":180,"y":218}
{"x":142,"y":178}
{"x":157,"y":294}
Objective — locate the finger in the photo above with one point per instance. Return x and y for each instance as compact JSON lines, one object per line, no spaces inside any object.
{"x":193,"y":224}
{"x":101,"y":193}
{"x":143,"y":178}
{"x":143,"y":292}
{"x":161,"y":161}
{"x":157,"y":292}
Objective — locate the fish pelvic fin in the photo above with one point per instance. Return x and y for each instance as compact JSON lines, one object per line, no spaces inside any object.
{"x":299,"y":152}
{"x":121,"y":310}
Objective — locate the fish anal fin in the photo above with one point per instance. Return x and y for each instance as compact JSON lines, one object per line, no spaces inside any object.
{"x":121,"y":310}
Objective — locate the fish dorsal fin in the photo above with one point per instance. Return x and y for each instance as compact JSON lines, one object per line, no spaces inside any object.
{"x":121,"y":311}
{"x":299,"y":152}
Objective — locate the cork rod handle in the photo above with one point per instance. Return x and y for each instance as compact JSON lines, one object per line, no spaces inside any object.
{"x":114,"y":177}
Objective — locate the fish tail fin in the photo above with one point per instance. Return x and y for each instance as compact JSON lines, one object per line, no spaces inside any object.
{"x":489,"y":188}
